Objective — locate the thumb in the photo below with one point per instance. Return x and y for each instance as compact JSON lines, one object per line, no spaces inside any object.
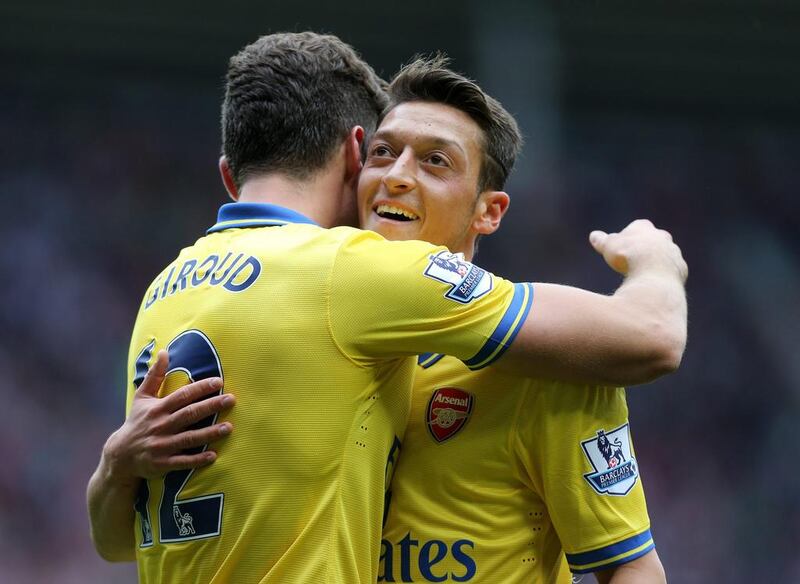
{"x":155,"y":375}
{"x":598,"y":240}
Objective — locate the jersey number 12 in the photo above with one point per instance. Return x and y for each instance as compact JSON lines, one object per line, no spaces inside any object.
{"x":182,"y":519}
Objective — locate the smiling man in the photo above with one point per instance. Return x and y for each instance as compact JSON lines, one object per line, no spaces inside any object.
{"x":439,"y":191}
{"x":492,"y":486}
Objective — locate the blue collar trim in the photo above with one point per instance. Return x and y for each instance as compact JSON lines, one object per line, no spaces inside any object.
{"x":238,"y":215}
{"x":426,"y":360}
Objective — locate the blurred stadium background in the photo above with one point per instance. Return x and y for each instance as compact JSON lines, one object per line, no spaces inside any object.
{"x":685,"y":112}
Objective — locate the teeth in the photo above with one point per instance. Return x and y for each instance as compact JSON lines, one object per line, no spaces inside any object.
{"x":391,"y":209}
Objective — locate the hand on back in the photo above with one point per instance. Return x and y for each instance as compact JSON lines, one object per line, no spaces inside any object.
{"x":157,"y":430}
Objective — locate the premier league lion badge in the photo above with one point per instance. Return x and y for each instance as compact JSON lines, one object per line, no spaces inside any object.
{"x":448,"y":411}
{"x":615,"y":468}
{"x":467,"y":281}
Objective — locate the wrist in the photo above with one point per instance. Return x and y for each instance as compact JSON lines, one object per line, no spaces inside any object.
{"x":113,"y":466}
{"x":661,"y":265}
{"x":664,"y":268}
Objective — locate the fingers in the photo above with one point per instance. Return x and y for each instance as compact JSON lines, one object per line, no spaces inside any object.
{"x":184,"y":461}
{"x":597,"y":238}
{"x":194,"y":412}
{"x":173,"y":449}
{"x":683,"y":267}
{"x":155,"y":375}
{"x":191,"y":393}
{"x":640,"y":246}
{"x":606,"y":245}
{"x":170,"y":462}
{"x":178,"y":443}
{"x":642,"y":224}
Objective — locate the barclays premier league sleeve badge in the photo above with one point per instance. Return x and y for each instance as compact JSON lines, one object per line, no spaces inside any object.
{"x":467,"y":281}
{"x":615,"y":468}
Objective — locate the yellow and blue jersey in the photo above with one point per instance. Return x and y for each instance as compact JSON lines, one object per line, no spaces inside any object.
{"x":501,"y":475}
{"x":314,"y":330}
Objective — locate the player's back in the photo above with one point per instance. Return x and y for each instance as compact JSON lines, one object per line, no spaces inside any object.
{"x":296,"y":494}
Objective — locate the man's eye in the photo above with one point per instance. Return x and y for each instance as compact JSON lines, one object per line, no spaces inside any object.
{"x":437,"y":160}
{"x":381,"y":151}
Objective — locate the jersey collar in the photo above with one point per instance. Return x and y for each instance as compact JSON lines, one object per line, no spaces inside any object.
{"x":426,"y":360}
{"x":237,"y":215}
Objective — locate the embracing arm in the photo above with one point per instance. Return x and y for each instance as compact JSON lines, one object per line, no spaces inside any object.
{"x":111,"y":516}
{"x":633,"y":336}
{"x":147,"y":445}
{"x":644,"y":570}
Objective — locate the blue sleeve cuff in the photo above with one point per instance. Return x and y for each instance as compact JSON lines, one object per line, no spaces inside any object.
{"x":507,"y":330}
{"x":612,"y":555}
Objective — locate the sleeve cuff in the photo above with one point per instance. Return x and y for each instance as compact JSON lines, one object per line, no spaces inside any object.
{"x":612,"y":555}
{"x":507,"y":330}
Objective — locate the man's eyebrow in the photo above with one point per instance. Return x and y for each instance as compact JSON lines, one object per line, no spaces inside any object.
{"x":427,"y":139}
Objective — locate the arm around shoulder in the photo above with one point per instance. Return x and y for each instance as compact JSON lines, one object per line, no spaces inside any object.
{"x":634,"y":336}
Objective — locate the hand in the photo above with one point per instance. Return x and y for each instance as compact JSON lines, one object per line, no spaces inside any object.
{"x":152,"y":439}
{"x":640,"y":247}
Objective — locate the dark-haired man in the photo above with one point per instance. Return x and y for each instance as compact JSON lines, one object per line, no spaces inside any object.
{"x":312,"y":329}
{"x":499,"y":473}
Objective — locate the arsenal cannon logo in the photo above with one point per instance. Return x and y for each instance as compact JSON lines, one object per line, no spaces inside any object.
{"x":448,"y":411}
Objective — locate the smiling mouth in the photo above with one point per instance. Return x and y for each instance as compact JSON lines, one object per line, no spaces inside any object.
{"x":395,"y":213}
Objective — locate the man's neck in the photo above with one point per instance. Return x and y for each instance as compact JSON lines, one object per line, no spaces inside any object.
{"x":319,"y":197}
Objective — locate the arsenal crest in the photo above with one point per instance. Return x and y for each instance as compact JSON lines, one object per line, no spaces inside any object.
{"x":448,"y":411}
{"x":615,"y":468}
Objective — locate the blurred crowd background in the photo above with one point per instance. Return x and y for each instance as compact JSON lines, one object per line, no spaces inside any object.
{"x":684,"y":112}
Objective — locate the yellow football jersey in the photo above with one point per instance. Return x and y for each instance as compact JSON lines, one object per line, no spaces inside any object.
{"x":500,"y":475}
{"x":314,"y":331}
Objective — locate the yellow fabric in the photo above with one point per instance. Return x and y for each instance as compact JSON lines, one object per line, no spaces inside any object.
{"x":501,"y":498}
{"x":310,"y":327}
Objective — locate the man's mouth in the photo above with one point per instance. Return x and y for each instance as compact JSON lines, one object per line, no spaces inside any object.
{"x":395,"y":213}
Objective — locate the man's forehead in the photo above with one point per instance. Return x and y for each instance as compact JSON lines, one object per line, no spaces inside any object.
{"x":439,"y":123}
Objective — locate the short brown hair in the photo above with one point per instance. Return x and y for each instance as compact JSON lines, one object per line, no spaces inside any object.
{"x":429,"y":79}
{"x":290,"y":99}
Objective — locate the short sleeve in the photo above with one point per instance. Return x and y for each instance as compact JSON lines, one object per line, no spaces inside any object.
{"x":393,"y":299}
{"x":575,"y":444}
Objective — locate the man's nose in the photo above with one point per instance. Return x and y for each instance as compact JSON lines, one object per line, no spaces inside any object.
{"x":400,"y":177}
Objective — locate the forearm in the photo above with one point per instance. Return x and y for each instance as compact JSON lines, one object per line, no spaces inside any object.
{"x":153,"y":441}
{"x":111,"y":515}
{"x":632,"y":337}
{"x":658,"y":301}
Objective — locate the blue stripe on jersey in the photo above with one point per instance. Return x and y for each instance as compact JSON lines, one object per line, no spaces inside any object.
{"x":507,"y":330}
{"x":618,"y":562}
{"x":611,"y":551}
{"x":237,"y":215}
{"x":428,"y":359}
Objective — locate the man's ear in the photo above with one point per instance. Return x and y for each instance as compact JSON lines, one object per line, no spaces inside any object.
{"x":353,"y":146}
{"x":227,"y":178}
{"x":489,"y":211}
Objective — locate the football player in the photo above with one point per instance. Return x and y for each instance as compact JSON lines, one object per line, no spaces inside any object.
{"x":499,"y":473}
